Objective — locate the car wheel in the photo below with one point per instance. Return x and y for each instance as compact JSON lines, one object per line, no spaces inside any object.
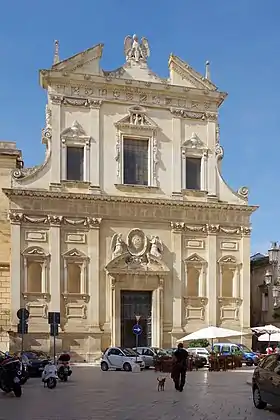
{"x":257,"y":399}
{"x":127,"y":367}
{"x":104,"y":366}
{"x":249,"y":362}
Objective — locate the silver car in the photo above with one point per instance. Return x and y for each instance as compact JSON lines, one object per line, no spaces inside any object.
{"x":149,"y":353}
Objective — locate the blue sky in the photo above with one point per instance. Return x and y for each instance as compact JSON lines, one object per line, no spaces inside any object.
{"x":241,"y":38}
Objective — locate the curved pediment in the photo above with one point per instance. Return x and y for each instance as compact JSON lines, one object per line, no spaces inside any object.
{"x":141,"y":265}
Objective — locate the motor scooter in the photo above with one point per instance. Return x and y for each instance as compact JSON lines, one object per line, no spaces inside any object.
{"x":10,"y":375}
{"x":63,"y":368}
{"x":49,"y":375}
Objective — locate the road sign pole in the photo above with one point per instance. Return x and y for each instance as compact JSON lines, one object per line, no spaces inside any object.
{"x":54,"y":343}
{"x":22,"y":321}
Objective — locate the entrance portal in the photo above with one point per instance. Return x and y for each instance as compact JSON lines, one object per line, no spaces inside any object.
{"x":136,"y":303}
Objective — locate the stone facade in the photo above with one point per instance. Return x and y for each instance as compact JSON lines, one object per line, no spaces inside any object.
{"x":9,"y":160}
{"x":88,"y":224}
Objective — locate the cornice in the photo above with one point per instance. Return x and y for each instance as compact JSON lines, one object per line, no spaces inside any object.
{"x":41,"y":194}
{"x":161,"y":94}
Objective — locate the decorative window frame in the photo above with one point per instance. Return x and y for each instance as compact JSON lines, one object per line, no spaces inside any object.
{"x":74,"y":256}
{"x":195,"y":148}
{"x":200,"y":264}
{"x":75,"y":136}
{"x":230,"y":262}
{"x":137,"y":125}
{"x":36,"y":254}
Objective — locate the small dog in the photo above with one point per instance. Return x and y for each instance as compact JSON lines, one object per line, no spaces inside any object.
{"x":161,"y":384}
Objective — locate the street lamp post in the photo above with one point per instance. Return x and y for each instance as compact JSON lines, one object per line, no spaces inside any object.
{"x":272,"y":277}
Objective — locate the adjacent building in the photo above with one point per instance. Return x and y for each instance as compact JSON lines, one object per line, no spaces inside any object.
{"x":129,"y":214}
{"x":10,"y":159}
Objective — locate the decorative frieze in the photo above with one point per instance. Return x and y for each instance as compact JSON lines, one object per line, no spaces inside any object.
{"x":52,"y":220}
{"x":81,"y":102}
{"x":210,"y":229}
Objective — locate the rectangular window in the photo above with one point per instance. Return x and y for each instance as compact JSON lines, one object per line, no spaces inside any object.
{"x":75,"y":163}
{"x":264,"y":302}
{"x":193,"y":170}
{"x":135,"y":161}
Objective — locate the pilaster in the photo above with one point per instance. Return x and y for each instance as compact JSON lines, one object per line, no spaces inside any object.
{"x":176,"y":155}
{"x":94,"y":151}
{"x":245,"y":278}
{"x":56,"y":173}
{"x":212,"y":283}
{"x":178,"y":286}
{"x":113,"y":311}
{"x":55,"y":264}
{"x":157,"y":315}
{"x":211,"y":161}
{"x":16,"y":271}
{"x":94,"y":275}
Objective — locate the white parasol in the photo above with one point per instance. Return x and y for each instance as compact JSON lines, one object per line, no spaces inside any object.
{"x":211,"y":333}
{"x":269,"y":337}
{"x":266,"y":329}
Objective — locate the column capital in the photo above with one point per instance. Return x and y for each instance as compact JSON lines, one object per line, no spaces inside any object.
{"x":15,"y":218}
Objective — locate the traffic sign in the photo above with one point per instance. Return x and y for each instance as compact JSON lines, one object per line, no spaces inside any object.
{"x":22,"y":328}
{"x":54,"y":330}
{"x":23,"y":313}
{"x":137,"y":329}
{"x":54,"y":318}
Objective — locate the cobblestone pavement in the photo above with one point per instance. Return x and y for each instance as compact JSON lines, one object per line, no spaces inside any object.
{"x":92,"y":394}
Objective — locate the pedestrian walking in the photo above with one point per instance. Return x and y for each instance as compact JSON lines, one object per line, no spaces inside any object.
{"x":179,"y":368}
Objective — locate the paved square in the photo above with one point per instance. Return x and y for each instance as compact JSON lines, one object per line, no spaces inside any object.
{"x":92,"y":395}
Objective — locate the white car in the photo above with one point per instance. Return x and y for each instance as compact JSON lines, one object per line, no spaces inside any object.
{"x":200,"y":351}
{"x":121,"y":358}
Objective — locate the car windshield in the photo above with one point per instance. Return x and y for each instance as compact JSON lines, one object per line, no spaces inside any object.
{"x":244,"y":348}
{"x":202,"y":351}
{"x":129,"y":352}
{"x":159,"y":351}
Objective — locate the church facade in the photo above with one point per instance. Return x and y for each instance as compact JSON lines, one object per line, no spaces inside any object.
{"x":129,"y":216}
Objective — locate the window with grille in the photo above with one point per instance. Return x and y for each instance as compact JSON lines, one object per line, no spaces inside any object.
{"x":193,"y":170}
{"x":75,"y":163}
{"x":135,"y":161}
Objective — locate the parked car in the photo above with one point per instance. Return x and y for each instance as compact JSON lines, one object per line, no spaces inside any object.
{"x":200,"y":351}
{"x":120,"y":358}
{"x":266,"y":382}
{"x":36,"y":362}
{"x":149,"y":354}
{"x":170,"y":351}
{"x":249,"y":357}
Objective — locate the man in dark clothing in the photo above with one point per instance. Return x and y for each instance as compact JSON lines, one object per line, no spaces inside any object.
{"x":179,"y":368}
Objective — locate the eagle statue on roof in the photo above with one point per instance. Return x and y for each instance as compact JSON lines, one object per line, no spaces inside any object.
{"x":134,"y":50}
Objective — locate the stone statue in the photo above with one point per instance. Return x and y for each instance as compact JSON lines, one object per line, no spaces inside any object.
{"x":134,"y":50}
{"x":156,"y":247}
{"x":118,"y":247}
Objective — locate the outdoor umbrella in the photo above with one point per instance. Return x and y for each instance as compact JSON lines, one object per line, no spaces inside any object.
{"x":267,"y":330}
{"x":269,"y":337}
{"x":211,"y":333}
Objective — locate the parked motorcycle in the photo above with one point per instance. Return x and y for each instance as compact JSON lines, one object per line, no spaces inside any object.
{"x":49,"y":376}
{"x":64,"y":370}
{"x":10,"y":376}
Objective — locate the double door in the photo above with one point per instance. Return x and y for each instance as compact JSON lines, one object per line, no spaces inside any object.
{"x":135,"y":303}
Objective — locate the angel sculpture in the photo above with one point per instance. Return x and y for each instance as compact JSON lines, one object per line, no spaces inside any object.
{"x":136,"y":51}
{"x":156,"y":247}
{"x":117,"y":245}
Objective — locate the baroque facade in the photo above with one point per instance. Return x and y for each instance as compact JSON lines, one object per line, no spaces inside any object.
{"x":129,"y":214}
{"x":10,"y":159}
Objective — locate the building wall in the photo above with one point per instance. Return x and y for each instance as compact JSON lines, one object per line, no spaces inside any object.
{"x":8,"y":161}
{"x":193,"y":245}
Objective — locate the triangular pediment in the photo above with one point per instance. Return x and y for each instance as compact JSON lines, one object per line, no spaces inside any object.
{"x":75,"y":131}
{"x":137,"y":118}
{"x":144,"y":265}
{"x":74,"y":253}
{"x":195,"y":258}
{"x":194,"y":143}
{"x":182,"y":74}
{"x":85,"y":62}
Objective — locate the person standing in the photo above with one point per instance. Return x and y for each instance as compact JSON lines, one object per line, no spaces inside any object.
{"x":179,"y":368}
